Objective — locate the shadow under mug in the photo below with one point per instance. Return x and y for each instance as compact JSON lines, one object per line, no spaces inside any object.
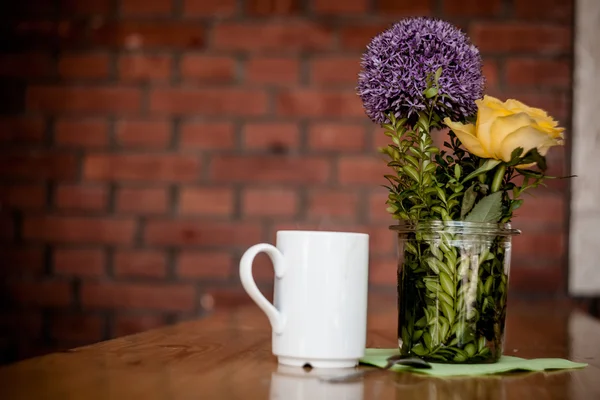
{"x":319,"y":310}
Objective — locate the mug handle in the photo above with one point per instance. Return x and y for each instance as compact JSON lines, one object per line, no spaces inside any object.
{"x":276,"y":319}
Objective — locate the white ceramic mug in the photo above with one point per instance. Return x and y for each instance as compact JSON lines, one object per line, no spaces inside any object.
{"x":319,"y":315}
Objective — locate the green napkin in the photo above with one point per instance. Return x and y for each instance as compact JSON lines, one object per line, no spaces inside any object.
{"x":378,"y":358}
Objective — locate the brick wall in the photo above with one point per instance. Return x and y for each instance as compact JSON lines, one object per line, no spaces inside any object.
{"x":147,"y":143}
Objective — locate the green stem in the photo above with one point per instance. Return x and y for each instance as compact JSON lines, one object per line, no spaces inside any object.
{"x":498,"y":178}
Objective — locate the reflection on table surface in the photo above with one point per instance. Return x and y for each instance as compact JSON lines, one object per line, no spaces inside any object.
{"x":228,"y":356}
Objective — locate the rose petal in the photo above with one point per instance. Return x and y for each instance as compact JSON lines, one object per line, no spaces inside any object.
{"x":527,"y":137}
{"x":466,"y":135}
{"x":489,"y":109}
{"x":504,"y":126}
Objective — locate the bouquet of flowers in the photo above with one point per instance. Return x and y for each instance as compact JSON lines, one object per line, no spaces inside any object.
{"x":454,"y":204}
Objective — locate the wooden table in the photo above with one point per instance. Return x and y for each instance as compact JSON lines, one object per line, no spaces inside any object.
{"x":227,"y":356}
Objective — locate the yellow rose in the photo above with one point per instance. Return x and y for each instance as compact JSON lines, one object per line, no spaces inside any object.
{"x":503,"y":127}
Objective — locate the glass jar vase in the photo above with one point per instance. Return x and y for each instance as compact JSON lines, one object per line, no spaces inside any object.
{"x":452,"y":289}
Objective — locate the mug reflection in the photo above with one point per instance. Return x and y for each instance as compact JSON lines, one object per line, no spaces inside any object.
{"x":293,"y":383}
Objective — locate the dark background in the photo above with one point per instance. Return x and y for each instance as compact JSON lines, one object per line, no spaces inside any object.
{"x":145,"y":144}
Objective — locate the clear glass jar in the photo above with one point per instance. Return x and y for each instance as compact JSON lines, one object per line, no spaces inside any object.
{"x":452,"y":289}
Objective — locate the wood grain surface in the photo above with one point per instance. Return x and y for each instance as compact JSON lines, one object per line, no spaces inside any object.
{"x":228,"y":356}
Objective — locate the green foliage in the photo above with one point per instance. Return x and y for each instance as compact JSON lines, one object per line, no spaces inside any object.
{"x":432,"y":184}
{"x":452,"y":294}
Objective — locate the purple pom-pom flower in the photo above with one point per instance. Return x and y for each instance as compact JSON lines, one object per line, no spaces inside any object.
{"x":397,"y":62}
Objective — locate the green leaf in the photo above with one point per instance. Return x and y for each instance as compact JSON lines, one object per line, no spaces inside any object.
{"x":488,"y":209}
{"x":431,"y":92}
{"x":422,"y":322}
{"x":468,"y":201}
{"x":417,"y":335}
{"x":457,"y":171}
{"x":419,"y":350}
{"x":515,"y":155}
{"x":437,"y":75}
{"x":447,"y":284}
{"x":470,"y":349}
{"x":446,"y":299}
{"x":410,"y":171}
{"x":448,"y":312}
{"x":428,"y":340}
{"x":487,"y":166}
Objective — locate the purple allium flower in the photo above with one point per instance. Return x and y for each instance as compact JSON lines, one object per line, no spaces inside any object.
{"x":397,"y":62}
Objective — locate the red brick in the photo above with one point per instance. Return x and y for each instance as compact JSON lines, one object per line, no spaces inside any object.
{"x":39,"y":294}
{"x":404,"y":8}
{"x":146,"y":7}
{"x":86,"y":133}
{"x":464,"y":8}
{"x":27,"y":324}
{"x":81,"y":197}
{"x":548,"y":278}
{"x":23,"y":196}
{"x":536,"y":72}
{"x":21,"y":130}
{"x":141,"y":167}
{"x":273,"y":7}
{"x":227,"y":298}
{"x":490,"y":72}
{"x":7,"y":226}
{"x":526,"y":38}
{"x":335,"y":70}
{"x":143,"y":133}
{"x":209,"y":8}
{"x":84,"y":66}
{"x":76,"y":327}
{"x":140,"y":67}
{"x":22,"y":261}
{"x":79,"y":262}
{"x":378,"y":207}
{"x":38,"y":164}
{"x":208,"y":68}
{"x":269,"y":202}
{"x":273,"y":36}
{"x":544,"y":245}
{"x":101,"y":7}
{"x":330,"y":7}
{"x":206,"y":201}
{"x":271,"y":136}
{"x":383,"y":271}
{"x":83,"y":99}
{"x":207,"y":136}
{"x":131,"y":324}
{"x":140,"y":263}
{"x":164,"y":297}
{"x":332,"y":203}
{"x":276,"y":70}
{"x":336,"y":137}
{"x":270,"y":169}
{"x":91,"y":230}
{"x":358,"y":36}
{"x":544,"y":10}
{"x":540,"y":211}
{"x":138,"y":35}
{"x":319,"y":103}
{"x":26,"y":65}
{"x":237,"y":102}
{"x":163,"y":232}
{"x":362,"y":170}
{"x":203,"y":264}
{"x":142,"y":200}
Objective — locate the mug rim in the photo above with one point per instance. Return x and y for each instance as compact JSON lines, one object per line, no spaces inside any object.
{"x":313,"y":232}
